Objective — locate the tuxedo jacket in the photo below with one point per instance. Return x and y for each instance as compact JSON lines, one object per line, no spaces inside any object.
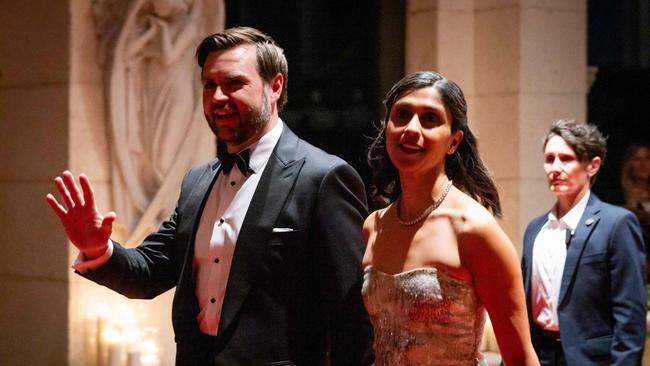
{"x":602,"y":301}
{"x":292,"y":296}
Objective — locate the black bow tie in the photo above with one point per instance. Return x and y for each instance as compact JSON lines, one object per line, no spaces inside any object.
{"x":228,"y":160}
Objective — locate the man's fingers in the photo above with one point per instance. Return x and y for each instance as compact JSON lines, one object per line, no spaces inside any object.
{"x":58,"y":209}
{"x":71,"y":185}
{"x":87,"y":189}
{"x":63,"y":191}
{"x":107,"y":222}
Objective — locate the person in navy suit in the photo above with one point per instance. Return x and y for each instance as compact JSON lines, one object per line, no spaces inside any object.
{"x":583,"y":262}
{"x":264,"y":246}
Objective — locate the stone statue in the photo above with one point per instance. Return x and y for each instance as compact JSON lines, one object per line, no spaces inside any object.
{"x":157,"y":126}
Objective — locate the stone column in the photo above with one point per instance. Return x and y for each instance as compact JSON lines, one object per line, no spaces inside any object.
{"x":34,"y":116}
{"x":522,"y":65}
{"x":440,"y":37}
{"x":52,"y":118}
{"x":89,"y":153}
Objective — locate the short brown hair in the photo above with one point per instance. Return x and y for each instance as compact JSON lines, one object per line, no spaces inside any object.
{"x":583,"y":138}
{"x":270,"y":57}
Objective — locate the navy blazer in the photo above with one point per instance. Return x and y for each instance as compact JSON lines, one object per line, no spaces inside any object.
{"x":291,"y":296}
{"x":602,"y":301}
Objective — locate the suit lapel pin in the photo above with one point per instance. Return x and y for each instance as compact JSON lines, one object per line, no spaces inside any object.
{"x":589,"y":221}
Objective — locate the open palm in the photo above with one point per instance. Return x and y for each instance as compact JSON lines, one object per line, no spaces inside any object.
{"x":85,"y":226}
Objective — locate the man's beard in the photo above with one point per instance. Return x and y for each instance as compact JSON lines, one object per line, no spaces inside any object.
{"x":256,"y":118}
{"x":251,"y":122}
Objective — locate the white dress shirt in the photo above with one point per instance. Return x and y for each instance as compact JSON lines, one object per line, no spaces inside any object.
{"x":219,"y":227}
{"x":549,"y":255}
{"x":217,"y":233}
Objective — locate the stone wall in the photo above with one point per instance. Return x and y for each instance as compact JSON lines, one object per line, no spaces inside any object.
{"x":522,"y":65}
{"x":34,"y":115}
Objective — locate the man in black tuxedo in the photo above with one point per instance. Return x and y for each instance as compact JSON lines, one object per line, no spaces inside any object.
{"x":264,"y":245}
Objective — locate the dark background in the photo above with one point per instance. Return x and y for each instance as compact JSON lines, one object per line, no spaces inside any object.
{"x":619,"y":99}
{"x":344,"y":55}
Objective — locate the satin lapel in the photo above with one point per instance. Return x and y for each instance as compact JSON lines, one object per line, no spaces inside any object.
{"x":196,"y":200}
{"x":272,"y":191}
{"x":586,"y":225}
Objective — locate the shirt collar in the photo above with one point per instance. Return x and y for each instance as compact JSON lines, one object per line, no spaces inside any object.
{"x":260,"y":151}
{"x":570,"y":219}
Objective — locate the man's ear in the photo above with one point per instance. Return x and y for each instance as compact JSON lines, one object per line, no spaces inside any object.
{"x":277,"y":83}
{"x":594,"y":166}
{"x":455,"y":141}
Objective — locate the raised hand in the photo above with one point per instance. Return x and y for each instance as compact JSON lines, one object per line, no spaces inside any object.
{"x":86,"y":227}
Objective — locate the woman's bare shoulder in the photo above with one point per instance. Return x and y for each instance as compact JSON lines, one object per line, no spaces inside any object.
{"x":476,"y":223}
{"x":479,"y":219}
{"x":372,"y":221}
{"x":373,"y":217}
{"x":370,"y":228}
{"x":470,"y":216}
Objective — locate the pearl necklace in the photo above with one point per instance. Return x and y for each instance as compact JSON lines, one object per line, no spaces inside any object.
{"x":427,"y":211}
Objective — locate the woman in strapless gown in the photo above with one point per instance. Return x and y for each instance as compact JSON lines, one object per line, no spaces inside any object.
{"x":436,"y":259}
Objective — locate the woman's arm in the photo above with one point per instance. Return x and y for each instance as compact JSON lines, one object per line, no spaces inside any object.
{"x":488,"y":254}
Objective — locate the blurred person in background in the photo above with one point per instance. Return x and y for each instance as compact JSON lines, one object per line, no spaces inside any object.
{"x":635,"y":181}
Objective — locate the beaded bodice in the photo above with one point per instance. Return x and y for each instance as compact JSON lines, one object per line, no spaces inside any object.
{"x":423,"y":317}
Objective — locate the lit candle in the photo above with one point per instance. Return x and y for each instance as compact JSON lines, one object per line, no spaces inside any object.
{"x":149,"y":353}
{"x":150,"y":361}
{"x":115,"y":347}
{"x":133,"y":359}
{"x":102,"y":314}
{"x":131,"y":338}
{"x":115,"y":351}
{"x":90,"y":341}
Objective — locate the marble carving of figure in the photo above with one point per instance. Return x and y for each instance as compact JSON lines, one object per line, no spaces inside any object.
{"x":156,"y":122}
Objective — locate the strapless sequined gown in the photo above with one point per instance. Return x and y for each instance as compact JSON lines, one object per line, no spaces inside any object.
{"x":423,"y":317}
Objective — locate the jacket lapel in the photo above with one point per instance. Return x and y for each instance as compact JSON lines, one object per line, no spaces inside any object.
{"x":583,"y":230}
{"x":529,"y":241}
{"x":196,"y":200}
{"x":272,"y":191}
{"x":185,"y":301}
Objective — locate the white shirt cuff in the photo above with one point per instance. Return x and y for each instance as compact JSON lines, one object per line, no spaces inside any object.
{"x":82,"y":265}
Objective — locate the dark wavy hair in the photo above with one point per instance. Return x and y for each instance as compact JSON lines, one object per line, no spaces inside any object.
{"x":464,"y":166}
{"x":270,"y":57}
